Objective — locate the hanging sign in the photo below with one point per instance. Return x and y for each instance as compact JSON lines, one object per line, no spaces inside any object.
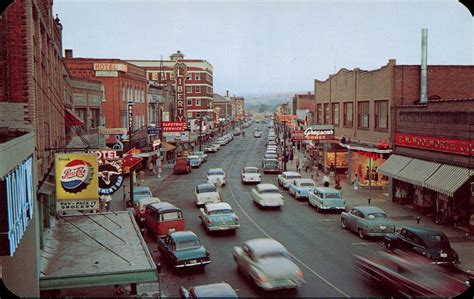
{"x":110,"y":171}
{"x":180,"y":75}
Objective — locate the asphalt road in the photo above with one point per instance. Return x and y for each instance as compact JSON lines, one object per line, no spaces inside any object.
{"x":323,"y":251}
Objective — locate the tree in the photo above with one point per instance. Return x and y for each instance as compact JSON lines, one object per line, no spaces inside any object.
{"x":262,"y":108}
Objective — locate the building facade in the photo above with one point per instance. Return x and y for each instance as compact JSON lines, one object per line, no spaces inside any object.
{"x":303,"y":106}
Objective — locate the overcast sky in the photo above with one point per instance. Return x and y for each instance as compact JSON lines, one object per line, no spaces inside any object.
{"x":260,"y":46}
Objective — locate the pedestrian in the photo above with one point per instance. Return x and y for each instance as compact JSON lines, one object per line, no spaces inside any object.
{"x":134,"y":174}
{"x":337,"y":180}
{"x":326,"y":180}
{"x":151,"y":168}
{"x":355,"y":182}
{"x":141,"y":177}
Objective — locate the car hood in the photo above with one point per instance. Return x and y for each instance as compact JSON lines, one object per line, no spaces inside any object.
{"x":189,"y":254}
{"x":278,"y":267}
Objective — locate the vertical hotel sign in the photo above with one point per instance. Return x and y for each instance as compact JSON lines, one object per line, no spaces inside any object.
{"x":77,"y":182}
{"x":180,"y":75}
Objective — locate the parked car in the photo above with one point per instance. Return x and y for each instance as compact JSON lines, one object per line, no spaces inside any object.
{"x":139,"y":192}
{"x":213,"y":290}
{"x":327,"y":199}
{"x":423,"y":240}
{"x":140,"y":205}
{"x":257,"y":134}
{"x":267,"y":195}
{"x":271,"y":142}
{"x":301,"y":188}
{"x":194,"y":161}
{"x":181,"y":165}
{"x":236,"y":132}
{"x":271,"y":166}
{"x":211,"y":149}
{"x":268,"y":264}
{"x":269,"y":157}
{"x":216,"y":176}
{"x":201,"y":155}
{"x":250,"y":175}
{"x":367,"y":221}
{"x":163,"y":218}
{"x":218,"y":216}
{"x":204,"y":193}
{"x":183,"y":250}
{"x":285,"y":177}
{"x":217,"y":145}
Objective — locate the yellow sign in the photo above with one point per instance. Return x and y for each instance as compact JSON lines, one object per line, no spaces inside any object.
{"x":77,"y":177}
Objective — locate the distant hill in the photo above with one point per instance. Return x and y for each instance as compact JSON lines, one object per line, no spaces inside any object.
{"x":270,"y":101}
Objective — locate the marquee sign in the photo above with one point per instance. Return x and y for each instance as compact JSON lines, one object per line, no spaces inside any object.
{"x":16,"y":206}
{"x":455,"y":146}
{"x":173,"y":126}
{"x":180,"y":75}
{"x":129,"y":161}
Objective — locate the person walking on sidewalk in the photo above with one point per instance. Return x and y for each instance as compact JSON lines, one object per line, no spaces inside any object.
{"x":337,"y":180}
{"x":141,"y":177}
{"x":297,"y":162}
{"x":355,"y":182}
{"x":326,"y":180}
{"x":151,"y":168}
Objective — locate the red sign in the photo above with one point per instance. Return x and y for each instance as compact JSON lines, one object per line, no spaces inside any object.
{"x":286,"y":117}
{"x":456,"y":146}
{"x":374,"y":156}
{"x":173,"y":126}
{"x":129,"y":161}
{"x":180,"y":75}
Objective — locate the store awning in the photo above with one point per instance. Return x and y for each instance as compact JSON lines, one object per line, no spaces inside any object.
{"x":72,"y":119}
{"x":393,"y":165}
{"x":417,"y":171}
{"x":356,"y":147}
{"x":167,"y":147}
{"x":448,"y":178}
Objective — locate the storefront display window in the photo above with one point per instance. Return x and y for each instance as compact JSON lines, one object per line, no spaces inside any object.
{"x":365,"y":165}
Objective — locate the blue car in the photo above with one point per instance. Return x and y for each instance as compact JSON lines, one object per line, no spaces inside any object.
{"x":300,"y":188}
{"x":195,"y":161}
{"x":138,"y":193}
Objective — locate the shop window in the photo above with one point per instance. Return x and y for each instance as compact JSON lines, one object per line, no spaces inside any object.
{"x":320,"y":114}
{"x":348,"y":115}
{"x":326,"y":113}
{"x":335,"y":114}
{"x":381,"y":114}
{"x":363,"y":115}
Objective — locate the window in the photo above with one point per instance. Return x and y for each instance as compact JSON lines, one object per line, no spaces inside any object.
{"x":197,"y":89}
{"x":363,"y":115}
{"x":198,"y":114}
{"x":190,"y":102}
{"x":197,"y":76}
{"x":335,"y":114}
{"x":190,"y":115}
{"x":320,"y":114}
{"x":326,"y":113}
{"x":348,"y":114}
{"x":188,"y":77}
{"x":381,"y":114}
{"x":189,"y":89}
{"x":198,"y":102}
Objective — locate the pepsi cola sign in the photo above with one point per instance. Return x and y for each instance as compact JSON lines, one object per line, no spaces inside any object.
{"x":76,"y":176}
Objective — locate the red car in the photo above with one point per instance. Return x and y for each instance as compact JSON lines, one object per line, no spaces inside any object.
{"x":163,"y":218}
{"x":182,"y":165}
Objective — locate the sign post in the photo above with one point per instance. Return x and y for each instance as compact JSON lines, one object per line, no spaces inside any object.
{"x":130,"y":129}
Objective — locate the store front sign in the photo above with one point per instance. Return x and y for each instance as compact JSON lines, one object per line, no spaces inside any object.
{"x":180,"y":75}
{"x":319,"y":133}
{"x":173,"y":126}
{"x":455,"y":146}
{"x":110,"y":67}
{"x":16,"y":206}
{"x":110,"y":171}
{"x":112,"y":131}
{"x":286,"y":117}
{"x":370,"y":155}
{"x":106,"y":73}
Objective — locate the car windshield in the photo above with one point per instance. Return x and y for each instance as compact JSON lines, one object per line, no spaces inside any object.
{"x":187,"y":244}
{"x":376,"y":215}
{"x":207,"y":189}
{"x":437,"y":241}
{"x":269,"y":191}
{"x":268,"y":162}
{"x":332,"y":195}
{"x":194,"y":160}
{"x":222,"y":211}
{"x":251,"y":170}
{"x":141,"y":193}
{"x":215,"y":172}
{"x":307,"y":184}
{"x":293,"y":177}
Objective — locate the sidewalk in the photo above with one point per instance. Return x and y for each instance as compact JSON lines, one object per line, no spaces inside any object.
{"x":400,"y":214}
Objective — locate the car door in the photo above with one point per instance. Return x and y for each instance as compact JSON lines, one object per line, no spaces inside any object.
{"x":404,"y":239}
{"x":247,"y":262}
{"x":205,"y":216}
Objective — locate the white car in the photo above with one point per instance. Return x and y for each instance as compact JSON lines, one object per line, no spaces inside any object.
{"x":287,"y":177}
{"x":257,"y":134}
{"x":205,"y":193}
{"x":210,"y":149}
{"x":250,"y":175}
{"x":216,"y":145}
{"x":216,"y":176}
{"x":267,"y":195}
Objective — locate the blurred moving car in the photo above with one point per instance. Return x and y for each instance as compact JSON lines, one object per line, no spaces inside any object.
{"x":140,"y":205}
{"x":250,"y":175}
{"x":285,"y":177}
{"x":367,"y":221}
{"x":162,"y":218}
{"x":267,"y":262}
{"x":201,"y":155}
{"x":216,"y":176}
{"x":267,"y":195}
{"x":213,"y":290}
{"x":181,"y":165}
{"x":218,"y":216}
{"x":271,"y":166}
{"x":139,"y":192}
{"x":205,"y":193}
{"x":301,"y":188}
{"x":409,"y":274}
{"x":327,"y":199}
{"x":257,"y":134}
{"x":423,"y":240}
{"x":183,"y":250}
{"x":194,"y":161}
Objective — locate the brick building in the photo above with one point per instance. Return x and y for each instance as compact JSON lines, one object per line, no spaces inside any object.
{"x":303,"y":106}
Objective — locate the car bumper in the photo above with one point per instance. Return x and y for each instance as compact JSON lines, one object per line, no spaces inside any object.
{"x":223,"y":227}
{"x":281,"y":284}
{"x":251,"y":180}
{"x":271,"y":171}
{"x":378,"y":234}
{"x":270,"y":204}
{"x":192,"y":263}
{"x":333,"y":208}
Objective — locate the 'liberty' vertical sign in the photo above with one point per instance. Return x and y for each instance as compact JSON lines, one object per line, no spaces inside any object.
{"x":180,"y":75}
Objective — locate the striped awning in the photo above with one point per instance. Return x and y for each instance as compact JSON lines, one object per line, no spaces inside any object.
{"x":417,"y":171}
{"x":393,"y":165}
{"x":448,"y":178}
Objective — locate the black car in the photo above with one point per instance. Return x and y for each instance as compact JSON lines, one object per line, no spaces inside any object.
{"x":425,"y":241}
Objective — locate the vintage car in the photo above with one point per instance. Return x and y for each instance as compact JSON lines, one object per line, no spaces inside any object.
{"x":367,"y":221}
{"x":139,"y":192}
{"x":410,"y":275}
{"x":194,"y":160}
{"x":213,"y":290}
{"x":162,"y":218}
{"x":271,"y":142}
{"x":250,"y":175}
{"x":140,"y":205}
{"x":326,"y":199}
{"x":285,"y":177}
{"x":181,"y":165}
{"x":267,"y":195}
{"x":268,"y":264}
{"x":423,"y":240}
{"x":216,"y":145}
{"x":268,"y":157}
{"x":216,"y":176}
{"x":218,"y":217}
{"x":183,"y":249}
{"x":257,"y":134}
{"x":201,"y":155}
{"x":301,"y":188}
{"x":271,"y":166}
{"x":204,"y":193}
{"x":212,"y":148}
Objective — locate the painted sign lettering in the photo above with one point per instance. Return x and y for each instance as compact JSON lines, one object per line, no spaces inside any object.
{"x":456,"y":146}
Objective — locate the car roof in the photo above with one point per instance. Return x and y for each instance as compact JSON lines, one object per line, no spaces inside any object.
{"x":369,"y":209}
{"x":215,"y":169}
{"x":271,"y":160}
{"x":144,"y":200}
{"x":327,"y":190}
{"x":145,"y":188}
{"x":205,"y":185}
{"x":423,"y":230}
{"x":304,"y":180}
{"x":215,"y":290}
{"x":267,"y":187}
{"x":212,"y":206}
{"x":184,"y":235}
{"x":250,"y":168}
{"x":291,"y":173}
{"x":264,"y":245}
{"x":165,"y":206}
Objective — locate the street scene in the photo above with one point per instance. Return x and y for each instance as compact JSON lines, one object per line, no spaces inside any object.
{"x":191,"y":174}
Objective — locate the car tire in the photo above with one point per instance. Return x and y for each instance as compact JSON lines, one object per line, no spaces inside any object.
{"x":361,"y":234}
{"x":343,"y":224}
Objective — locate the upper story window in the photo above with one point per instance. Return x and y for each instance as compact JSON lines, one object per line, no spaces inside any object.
{"x":381,"y":115}
{"x":348,"y":115}
{"x":363,"y":115}
{"x":326,"y":113}
{"x":189,"y":89}
{"x":320,"y":114}
{"x":335,"y":114}
{"x":198,"y":102}
{"x":197,"y":76}
{"x":189,"y":102}
{"x":197,"y":89}
{"x":189,"y":77}
{"x":124,"y":94}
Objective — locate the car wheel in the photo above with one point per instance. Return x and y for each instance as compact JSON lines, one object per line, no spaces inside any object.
{"x":361,"y":233}
{"x":343,"y":224}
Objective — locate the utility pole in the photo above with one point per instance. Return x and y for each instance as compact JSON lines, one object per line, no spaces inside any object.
{"x":130,"y":130}
{"x":200,"y":130}
{"x":284,"y":145}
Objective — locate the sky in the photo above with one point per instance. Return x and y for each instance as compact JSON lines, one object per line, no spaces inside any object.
{"x":264,"y":47}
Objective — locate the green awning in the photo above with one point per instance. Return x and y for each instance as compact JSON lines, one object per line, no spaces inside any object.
{"x":448,"y":179}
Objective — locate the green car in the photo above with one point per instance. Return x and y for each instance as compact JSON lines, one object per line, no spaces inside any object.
{"x":218,"y":216}
{"x":183,"y":250}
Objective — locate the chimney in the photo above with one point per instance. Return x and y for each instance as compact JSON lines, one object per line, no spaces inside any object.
{"x":424,"y":72}
{"x":227,"y":93}
{"x":68,"y":53}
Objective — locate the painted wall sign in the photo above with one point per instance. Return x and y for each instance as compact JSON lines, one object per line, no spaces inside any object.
{"x":106,"y":73}
{"x":455,"y":146}
{"x":16,"y":206}
{"x":112,"y":131}
{"x":110,"y":67}
{"x":173,"y":126}
{"x":180,"y":70}
{"x":110,"y":171}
